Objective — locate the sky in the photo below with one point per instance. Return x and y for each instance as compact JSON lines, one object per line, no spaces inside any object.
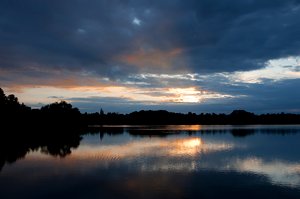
{"x":176,"y":55}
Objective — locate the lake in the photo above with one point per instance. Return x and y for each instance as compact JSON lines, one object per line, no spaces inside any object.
{"x":184,"y":161}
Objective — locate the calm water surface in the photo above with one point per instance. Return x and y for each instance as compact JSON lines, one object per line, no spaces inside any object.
{"x":164,"y":162}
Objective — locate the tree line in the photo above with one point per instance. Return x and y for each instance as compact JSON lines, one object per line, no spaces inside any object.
{"x":64,"y":114}
{"x":162,"y":117}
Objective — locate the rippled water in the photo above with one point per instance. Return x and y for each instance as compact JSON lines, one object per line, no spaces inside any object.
{"x":164,"y":162}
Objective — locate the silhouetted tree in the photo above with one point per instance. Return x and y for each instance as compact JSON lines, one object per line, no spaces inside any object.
{"x":60,"y":114}
{"x":242,"y":117}
{"x":101,"y":112}
{"x":2,"y":96}
{"x":12,"y":99}
{"x":60,"y":107}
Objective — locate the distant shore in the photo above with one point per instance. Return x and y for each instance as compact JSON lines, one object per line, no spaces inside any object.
{"x":62,"y":114}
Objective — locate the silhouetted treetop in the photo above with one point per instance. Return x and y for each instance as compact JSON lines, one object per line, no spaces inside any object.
{"x":10,"y":104}
{"x":60,"y":107}
{"x":101,"y":112}
{"x":2,"y":96}
{"x":241,"y":113}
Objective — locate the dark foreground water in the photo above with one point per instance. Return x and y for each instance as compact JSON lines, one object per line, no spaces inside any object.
{"x":163,"y":162}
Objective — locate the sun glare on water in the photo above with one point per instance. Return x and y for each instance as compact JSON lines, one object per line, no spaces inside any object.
{"x":192,"y":143}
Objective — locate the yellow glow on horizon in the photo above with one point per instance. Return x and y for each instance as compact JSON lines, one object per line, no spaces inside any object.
{"x":184,"y":127}
{"x":83,"y":85}
{"x":187,"y":95}
{"x":129,"y":94}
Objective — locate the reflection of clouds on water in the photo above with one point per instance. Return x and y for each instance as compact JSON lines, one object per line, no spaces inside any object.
{"x":155,"y":154}
{"x":278,"y":172}
{"x":152,"y":148}
{"x":166,"y":165}
{"x":185,"y":155}
{"x":282,"y":173}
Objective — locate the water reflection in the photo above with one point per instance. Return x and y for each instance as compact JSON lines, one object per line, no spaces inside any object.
{"x":209,"y":163}
{"x":165,"y":130}
{"x":279,"y":172}
{"x":155,"y":147}
{"x":56,"y":142}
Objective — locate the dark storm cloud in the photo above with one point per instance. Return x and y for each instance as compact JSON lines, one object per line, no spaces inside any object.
{"x":240,"y":35}
{"x":62,"y":34}
{"x":69,"y":43}
{"x":218,"y":35}
{"x":227,"y":35}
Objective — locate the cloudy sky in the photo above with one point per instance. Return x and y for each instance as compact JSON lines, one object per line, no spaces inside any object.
{"x":178,"y":55}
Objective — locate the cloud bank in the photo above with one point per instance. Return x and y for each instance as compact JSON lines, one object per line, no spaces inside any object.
{"x":208,"y":55}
